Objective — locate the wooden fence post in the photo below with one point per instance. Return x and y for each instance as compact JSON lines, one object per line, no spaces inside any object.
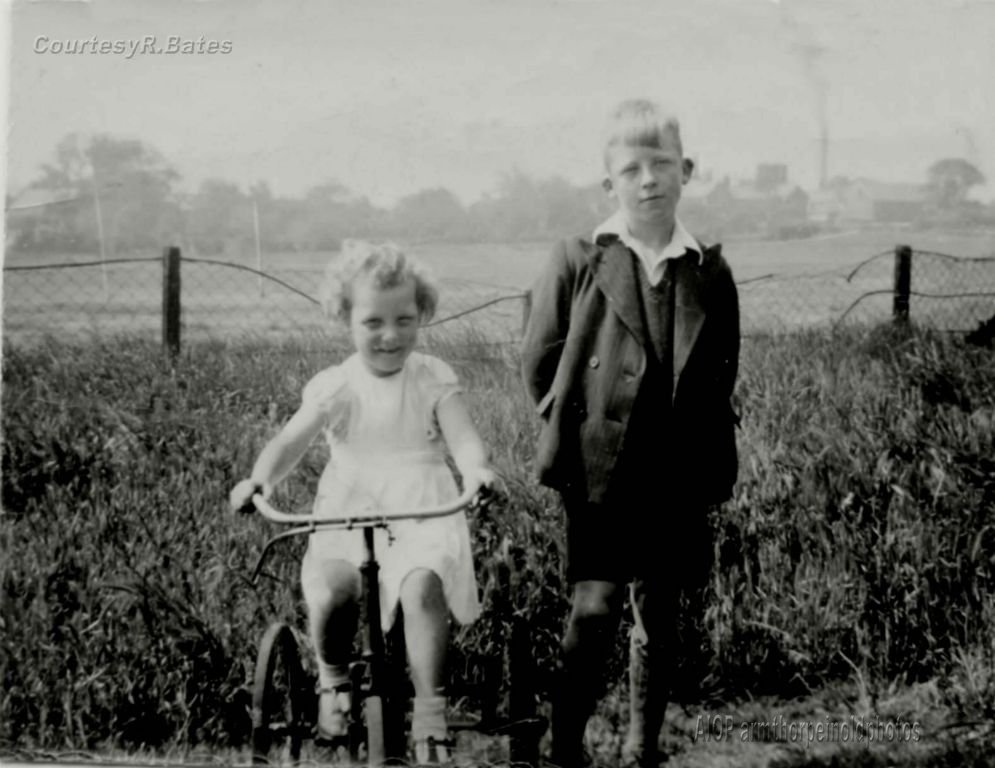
{"x":171,"y":300}
{"x":903,"y":284}
{"x":526,"y":310}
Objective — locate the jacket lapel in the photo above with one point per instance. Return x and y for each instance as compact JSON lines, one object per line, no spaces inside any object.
{"x":689,"y":312}
{"x":613,"y":273}
{"x":613,"y":267}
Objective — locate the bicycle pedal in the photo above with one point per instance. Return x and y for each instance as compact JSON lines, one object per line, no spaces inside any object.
{"x":330,"y":741}
{"x":465,"y":723}
{"x":523,"y":727}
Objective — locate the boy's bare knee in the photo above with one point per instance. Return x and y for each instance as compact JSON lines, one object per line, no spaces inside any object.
{"x":595,"y":599}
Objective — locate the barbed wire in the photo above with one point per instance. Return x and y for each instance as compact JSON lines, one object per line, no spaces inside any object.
{"x":72,"y":264}
{"x":920,"y":294}
{"x":759,"y":278}
{"x":867,"y":261}
{"x":517,"y":296}
{"x":258,"y":273}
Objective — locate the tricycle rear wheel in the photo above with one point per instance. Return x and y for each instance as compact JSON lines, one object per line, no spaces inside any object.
{"x":279,"y":695}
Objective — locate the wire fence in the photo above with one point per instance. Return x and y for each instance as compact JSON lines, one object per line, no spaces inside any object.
{"x":81,"y":298}
{"x":945,"y":292}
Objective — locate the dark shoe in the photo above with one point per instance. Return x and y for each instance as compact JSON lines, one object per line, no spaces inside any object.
{"x":646,"y":759}
{"x":582,"y":761}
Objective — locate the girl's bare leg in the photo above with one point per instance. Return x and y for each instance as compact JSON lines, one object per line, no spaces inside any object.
{"x":426,"y":630}
{"x":331,"y":591}
{"x":426,"y":639}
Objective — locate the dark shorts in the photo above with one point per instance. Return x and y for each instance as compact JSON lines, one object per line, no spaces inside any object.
{"x":646,"y":537}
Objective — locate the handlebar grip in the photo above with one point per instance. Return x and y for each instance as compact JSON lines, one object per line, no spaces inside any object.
{"x":249,"y":507}
{"x":484,"y":498}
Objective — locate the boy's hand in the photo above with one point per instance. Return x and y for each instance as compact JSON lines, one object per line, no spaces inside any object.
{"x":241,"y":495}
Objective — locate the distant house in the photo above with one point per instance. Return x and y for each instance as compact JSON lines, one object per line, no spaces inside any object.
{"x":825,"y":206}
{"x":865,"y":200}
{"x":38,"y":215}
{"x":697,"y":210}
{"x":770,"y":176}
{"x":768,"y":204}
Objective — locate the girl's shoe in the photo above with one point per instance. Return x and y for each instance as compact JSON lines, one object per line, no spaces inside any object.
{"x":334,"y":705}
{"x":429,"y":731}
{"x":432,"y":751}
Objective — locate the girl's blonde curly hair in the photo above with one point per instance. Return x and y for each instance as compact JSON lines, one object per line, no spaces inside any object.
{"x":387,"y":265}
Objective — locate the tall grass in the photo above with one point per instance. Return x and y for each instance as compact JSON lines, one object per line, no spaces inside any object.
{"x":861,"y":539}
{"x":860,"y":544}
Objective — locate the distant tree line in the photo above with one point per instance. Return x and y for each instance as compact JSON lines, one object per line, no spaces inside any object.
{"x":118,"y":196}
{"x":115,"y":197}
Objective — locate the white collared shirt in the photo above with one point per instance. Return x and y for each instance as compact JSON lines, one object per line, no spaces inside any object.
{"x":653,"y":261}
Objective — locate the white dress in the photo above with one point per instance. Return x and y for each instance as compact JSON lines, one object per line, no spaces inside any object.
{"x":388,"y":455}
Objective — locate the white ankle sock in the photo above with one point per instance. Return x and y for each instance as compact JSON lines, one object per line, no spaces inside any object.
{"x":428,"y":718}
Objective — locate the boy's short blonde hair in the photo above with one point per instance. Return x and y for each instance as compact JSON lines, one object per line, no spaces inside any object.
{"x":387,"y":265}
{"x":639,"y":123}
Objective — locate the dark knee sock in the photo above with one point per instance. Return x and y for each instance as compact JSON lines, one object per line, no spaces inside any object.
{"x":647,"y":702}
{"x":584,"y":653}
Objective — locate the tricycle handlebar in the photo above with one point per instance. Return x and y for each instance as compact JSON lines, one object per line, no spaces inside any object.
{"x":363,"y":521}
{"x":311,"y":523}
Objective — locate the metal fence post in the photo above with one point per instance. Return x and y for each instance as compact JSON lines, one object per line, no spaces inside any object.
{"x":903,"y":284}
{"x":171,"y":300}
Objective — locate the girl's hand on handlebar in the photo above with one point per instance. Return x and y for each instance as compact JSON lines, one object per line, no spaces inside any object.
{"x":483,"y":477}
{"x":485,"y":480}
{"x":240,"y":498}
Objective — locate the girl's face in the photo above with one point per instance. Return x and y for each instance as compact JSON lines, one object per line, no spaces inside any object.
{"x":384,"y":324}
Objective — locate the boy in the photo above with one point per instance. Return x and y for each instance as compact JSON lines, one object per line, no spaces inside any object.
{"x":631,"y":353}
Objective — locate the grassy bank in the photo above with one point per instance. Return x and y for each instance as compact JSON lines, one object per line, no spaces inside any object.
{"x":859,"y":547}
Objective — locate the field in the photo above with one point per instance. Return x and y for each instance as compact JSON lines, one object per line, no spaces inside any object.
{"x":856,"y":563}
{"x":783,"y":285}
{"x":855,"y":567}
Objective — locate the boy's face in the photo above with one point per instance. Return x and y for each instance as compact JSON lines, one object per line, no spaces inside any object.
{"x":384,"y":324}
{"x":647,"y":181}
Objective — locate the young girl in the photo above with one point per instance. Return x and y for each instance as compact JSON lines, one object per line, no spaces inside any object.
{"x":389,"y":414}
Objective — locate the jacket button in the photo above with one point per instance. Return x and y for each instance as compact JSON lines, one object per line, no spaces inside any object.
{"x":594,"y":362}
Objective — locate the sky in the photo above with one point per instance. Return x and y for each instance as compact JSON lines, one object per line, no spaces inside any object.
{"x":390,"y":97}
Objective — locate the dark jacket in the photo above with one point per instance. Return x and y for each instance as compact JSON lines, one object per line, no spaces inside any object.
{"x":584,"y":356}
